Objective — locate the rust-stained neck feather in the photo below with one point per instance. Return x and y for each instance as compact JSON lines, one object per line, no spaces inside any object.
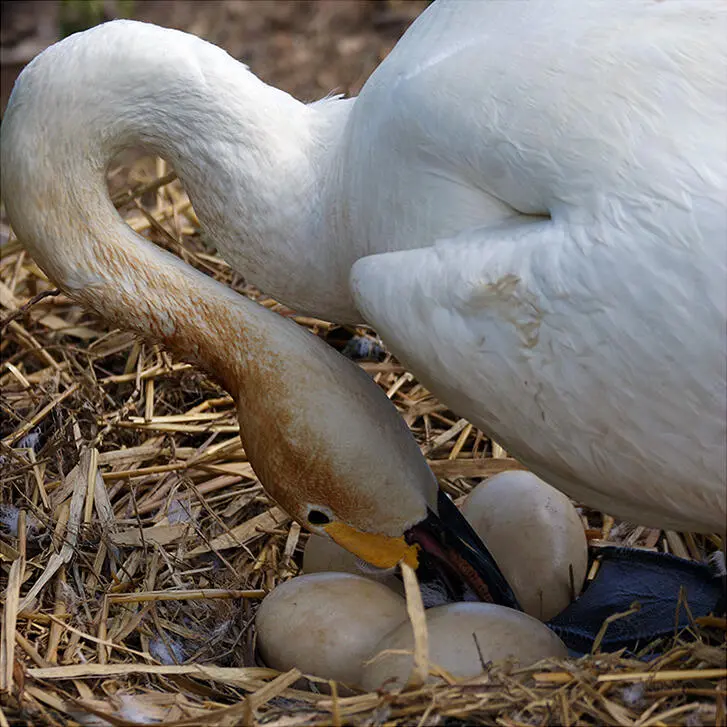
{"x":318,"y":432}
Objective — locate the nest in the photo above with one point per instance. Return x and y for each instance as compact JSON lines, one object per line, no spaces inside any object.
{"x":136,"y":542}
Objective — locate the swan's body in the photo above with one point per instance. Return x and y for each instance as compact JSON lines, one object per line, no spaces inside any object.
{"x":549,"y":178}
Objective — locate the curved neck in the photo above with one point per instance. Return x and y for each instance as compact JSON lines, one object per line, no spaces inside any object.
{"x":252,"y":158}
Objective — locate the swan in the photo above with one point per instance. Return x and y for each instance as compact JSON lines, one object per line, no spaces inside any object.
{"x":527,"y":200}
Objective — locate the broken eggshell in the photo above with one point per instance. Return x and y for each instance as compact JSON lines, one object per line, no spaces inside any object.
{"x":326,"y":624}
{"x":535,"y":535}
{"x":462,"y":637}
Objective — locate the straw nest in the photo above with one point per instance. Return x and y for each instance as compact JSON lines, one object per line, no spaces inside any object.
{"x":136,"y":542}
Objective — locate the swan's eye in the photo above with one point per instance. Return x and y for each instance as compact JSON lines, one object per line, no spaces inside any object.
{"x":318,"y":518}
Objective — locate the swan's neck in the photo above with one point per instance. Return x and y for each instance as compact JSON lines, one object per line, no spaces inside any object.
{"x":255,"y":163}
{"x":253,"y":160}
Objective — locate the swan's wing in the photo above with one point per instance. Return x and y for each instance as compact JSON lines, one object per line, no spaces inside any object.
{"x":594,"y":355}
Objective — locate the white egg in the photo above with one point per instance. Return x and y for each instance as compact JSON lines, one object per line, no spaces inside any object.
{"x":322,"y":555}
{"x":326,"y":624}
{"x":461,"y":637}
{"x":535,"y":535}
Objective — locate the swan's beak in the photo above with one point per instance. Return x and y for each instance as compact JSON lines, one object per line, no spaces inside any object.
{"x":382,"y":551}
{"x":453,"y":555}
{"x":443,"y":549}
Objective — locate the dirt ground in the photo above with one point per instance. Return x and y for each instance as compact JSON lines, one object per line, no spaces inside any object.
{"x":306,"y":47}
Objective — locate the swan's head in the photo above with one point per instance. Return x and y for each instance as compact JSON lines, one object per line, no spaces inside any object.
{"x":389,"y":509}
{"x":331,"y":449}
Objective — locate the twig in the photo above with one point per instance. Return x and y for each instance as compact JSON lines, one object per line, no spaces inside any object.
{"x":20,"y":312}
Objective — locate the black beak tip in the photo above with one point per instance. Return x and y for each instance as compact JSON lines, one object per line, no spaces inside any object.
{"x":452,"y":547}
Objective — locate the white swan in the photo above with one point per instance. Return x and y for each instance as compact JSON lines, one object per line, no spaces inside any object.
{"x":527,"y":200}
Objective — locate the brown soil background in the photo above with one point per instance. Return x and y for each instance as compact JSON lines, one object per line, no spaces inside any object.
{"x":306,"y":47}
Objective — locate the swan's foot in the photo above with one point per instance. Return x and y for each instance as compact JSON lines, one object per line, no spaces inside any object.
{"x":670,"y":593}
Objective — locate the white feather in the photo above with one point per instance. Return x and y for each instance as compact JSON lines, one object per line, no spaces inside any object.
{"x":528,"y":201}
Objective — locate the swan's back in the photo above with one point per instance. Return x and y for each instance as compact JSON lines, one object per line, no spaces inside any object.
{"x":590,"y":343}
{"x":485,"y":109}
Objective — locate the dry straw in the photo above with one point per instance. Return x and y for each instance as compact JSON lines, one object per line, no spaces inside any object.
{"x":137,"y":541}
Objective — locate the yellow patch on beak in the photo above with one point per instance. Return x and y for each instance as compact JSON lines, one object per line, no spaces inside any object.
{"x":383,"y":551}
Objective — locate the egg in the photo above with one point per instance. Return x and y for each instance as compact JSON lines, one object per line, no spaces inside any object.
{"x":463,"y":636}
{"x":535,"y":535}
{"x":322,"y":555}
{"x":326,"y":624}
